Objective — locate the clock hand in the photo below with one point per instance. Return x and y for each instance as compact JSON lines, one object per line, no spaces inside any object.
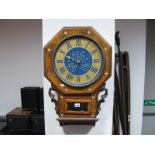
{"x":77,"y":63}
{"x":76,"y":67}
{"x":68,"y":57}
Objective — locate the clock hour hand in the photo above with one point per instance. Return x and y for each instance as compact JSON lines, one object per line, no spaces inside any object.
{"x":68,"y":57}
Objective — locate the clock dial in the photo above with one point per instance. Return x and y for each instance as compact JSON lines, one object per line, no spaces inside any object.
{"x":78,"y":61}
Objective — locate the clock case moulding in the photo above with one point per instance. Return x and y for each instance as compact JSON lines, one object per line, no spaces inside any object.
{"x":66,"y":93}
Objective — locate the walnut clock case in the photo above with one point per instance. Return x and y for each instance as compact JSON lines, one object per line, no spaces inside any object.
{"x":77,"y":62}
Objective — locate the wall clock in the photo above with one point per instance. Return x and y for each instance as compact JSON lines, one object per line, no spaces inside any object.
{"x":77,"y":62}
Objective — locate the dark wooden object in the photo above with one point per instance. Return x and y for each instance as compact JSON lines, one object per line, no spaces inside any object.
{"x":18,"y":120}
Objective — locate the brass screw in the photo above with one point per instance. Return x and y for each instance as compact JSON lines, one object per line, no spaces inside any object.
{"x":93,"y":97}
{"x":61,"y":97}
{"x":105,"y":48}
{"x":105,"y":73}
{"x":66,"y":89}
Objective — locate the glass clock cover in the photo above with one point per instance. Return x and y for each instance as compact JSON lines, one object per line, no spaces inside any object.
{"x":78,"y":61}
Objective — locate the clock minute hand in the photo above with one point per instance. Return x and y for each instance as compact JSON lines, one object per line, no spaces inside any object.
{"x":75,"y":68}
{"x":77,"y":63}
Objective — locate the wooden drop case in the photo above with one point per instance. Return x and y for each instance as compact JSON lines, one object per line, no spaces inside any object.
{"x":77,"y":105}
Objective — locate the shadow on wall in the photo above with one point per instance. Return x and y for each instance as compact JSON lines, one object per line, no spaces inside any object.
{"x":76,"y":129}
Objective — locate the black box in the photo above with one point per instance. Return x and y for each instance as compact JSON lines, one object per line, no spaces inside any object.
{"x":30,"y":98}
{"x":18,"y":120}
{"x":37,"y":122}
{"x":41,"y":100}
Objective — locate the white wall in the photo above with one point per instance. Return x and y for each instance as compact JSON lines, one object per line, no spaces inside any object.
{"x":20,"y":60}
{"x":104,"y":126}
{"x":133,"y":40}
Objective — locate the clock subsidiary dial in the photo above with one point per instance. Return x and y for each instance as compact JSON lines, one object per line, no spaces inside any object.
{"x":78,"y":61}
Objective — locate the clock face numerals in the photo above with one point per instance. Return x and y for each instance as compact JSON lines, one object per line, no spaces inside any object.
{"x":78,"y":61}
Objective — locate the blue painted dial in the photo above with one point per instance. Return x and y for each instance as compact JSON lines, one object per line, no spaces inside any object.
{"x":78,"y":61}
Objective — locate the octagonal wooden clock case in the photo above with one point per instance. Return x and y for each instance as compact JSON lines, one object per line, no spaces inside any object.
{"x":77,"y":62}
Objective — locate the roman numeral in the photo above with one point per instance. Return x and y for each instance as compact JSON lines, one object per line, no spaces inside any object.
{"x":87,"y":44}
{"x":62,"y":70}
{"x":62,"y":52}
{"x":78,"y":78}
{"x":94,"y":70}
{"x":78,"y":42}
{"x":87,"y":77}
{"x":60,"y":61}
{"x":69,"y":76}
{"x":93,"y":52}
{"x":69,"y":45}
{"x":96,"y":60}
